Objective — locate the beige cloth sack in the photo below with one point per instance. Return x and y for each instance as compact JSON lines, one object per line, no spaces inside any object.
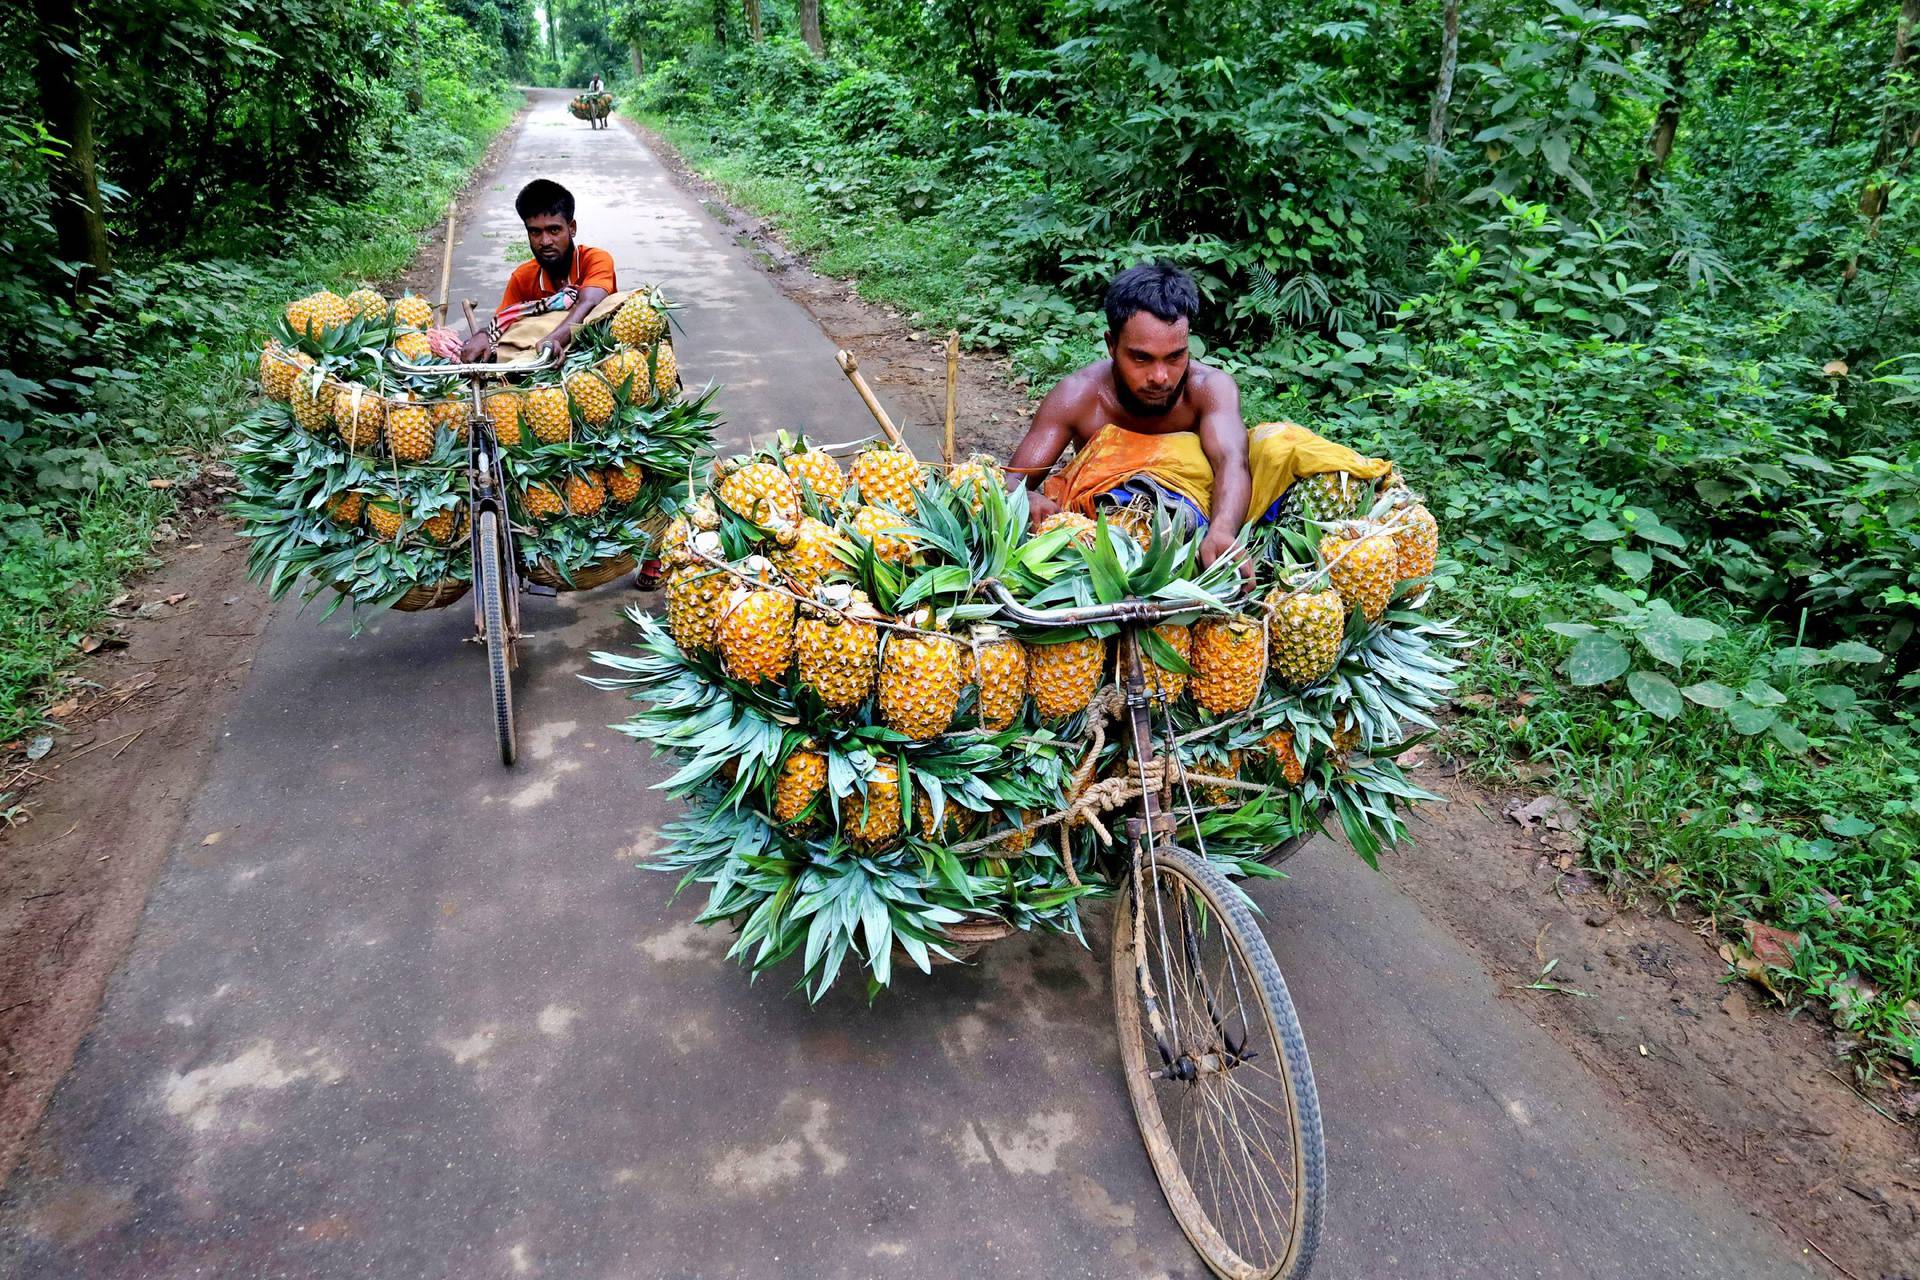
{"x":519,"y":342}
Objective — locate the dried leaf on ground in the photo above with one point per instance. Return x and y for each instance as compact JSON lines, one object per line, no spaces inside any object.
{"x":1770,"y":945}
{"x":1549,"y":811}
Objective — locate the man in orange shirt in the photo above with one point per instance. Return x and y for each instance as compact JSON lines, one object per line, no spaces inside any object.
{"x":563,"y":276}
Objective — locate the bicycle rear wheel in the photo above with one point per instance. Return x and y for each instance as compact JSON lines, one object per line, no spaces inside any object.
{"x":1216,"y":1066}
{"x":490,"y":583}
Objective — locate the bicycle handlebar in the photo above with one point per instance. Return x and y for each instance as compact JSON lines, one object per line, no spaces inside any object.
{"x":1135,"y":612}
{"x":541,"y":362}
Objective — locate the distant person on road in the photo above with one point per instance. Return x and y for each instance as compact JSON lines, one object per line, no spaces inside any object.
{"x":566,"y":284}
{"x":1150,"y":422}
{"x":595,"y":86}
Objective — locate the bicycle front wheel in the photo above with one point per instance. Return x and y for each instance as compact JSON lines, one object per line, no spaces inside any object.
{"x":1216,"y":1067}
{"x":491,"y":584}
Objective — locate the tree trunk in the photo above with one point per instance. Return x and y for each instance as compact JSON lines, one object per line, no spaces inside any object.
{"x":810,"y":27}
{"x":637,"y":59}
{"x":1443,"y":91}
{"x":720,"y":23}
{"x":66,"y":105}
{"x":1893,"y":125}
{"x":1690,"y":26}
{"x":752,"y":8}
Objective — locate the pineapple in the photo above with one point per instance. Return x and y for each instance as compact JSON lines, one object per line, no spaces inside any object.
{"x":695,"y":593}
{"x":591,"y":397}
{"x":886,"y":531}
{"x":357,"y":413}
{"x":666,"y":372}
{"x":700,"y":515}
{"x":584,"y":494}
{"x":802,"y":780}
{"x":1062,"y":676}
{"x":1213,"y":791}
{"x":1326,"y":497}
{"x":1000,"y":674}
{"x":836,"y":650}
{"x":817,"y":470}
{"x":889,"y":475}
{"x":277,"y":372}
{"x":542,"y":502}
{"x":450,"y":416}
{"x":367,"y":304}
{"x":1228,"y":659}
{"x":756,"y":491}
{"x":624,"y":483}
{"x":1305,"y":627}
{"x":1135,"y":522}
{"x":445,"y":527}
{"x":755,"y":628}
{"x":1364,"y":564}
{"x":1085,"y":527}
{"x":1279,"y":745}
{"x":545,"y":412}
{"x":626,"y":373}
{"x":921,"y":677}
{"x":316,"y":313}
{"x":1346,"y":735}
{"x":1161,"y":682}
{"x":1416,"y":540}
{"x":806,"y":555}
{"x":346,"y":508}
{"x":414,"y":346}
{"x":312,"y":407}
{"x":504,"y":408}
{"x":413,"y":311}
{"x":638,"y":323}
{"x":385,"y":516}
{"x":972,"y":478}
{"x":299,"y":314}
{"x":874,"y":822}
{"x":1019,"y":837}
{"x":409,"y":431}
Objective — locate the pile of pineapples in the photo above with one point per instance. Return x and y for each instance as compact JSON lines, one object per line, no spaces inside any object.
{"x":591,"y":106}
{"x":353,"y":474}
{"x":870,"y":755}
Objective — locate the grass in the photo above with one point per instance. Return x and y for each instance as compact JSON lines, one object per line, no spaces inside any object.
{"x":63,"y":561}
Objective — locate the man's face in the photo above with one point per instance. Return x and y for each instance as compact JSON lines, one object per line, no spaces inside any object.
{"x":1150,"y":361}
{"x":550,"y":236}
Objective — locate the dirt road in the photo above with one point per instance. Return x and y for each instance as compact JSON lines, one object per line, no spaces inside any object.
{"x":394,"y":1011}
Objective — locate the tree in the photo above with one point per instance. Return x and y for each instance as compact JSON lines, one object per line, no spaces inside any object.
{"x":810,"y":26}
{"x":1893,"y":118}
{"x":1680,"y":39}
{"x":66,"y":105}
{"x":752,"y":8}
{"x":1443,"y":91}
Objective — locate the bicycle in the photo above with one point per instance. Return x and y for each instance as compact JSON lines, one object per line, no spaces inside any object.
{"x":1202,"y":1036}
{"x":497,"y":581}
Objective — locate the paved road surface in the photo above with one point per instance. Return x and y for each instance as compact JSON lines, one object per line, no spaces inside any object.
{"x":411,"y":1015}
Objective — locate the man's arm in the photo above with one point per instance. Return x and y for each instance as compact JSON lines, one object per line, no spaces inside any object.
{"x":1046,"y":439}
{"x":590,"y":297}
{"x":1223,"y":438}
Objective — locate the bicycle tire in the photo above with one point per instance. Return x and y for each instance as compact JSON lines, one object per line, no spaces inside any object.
{"x":488,"y":582}
{"x":1199,"y":1214}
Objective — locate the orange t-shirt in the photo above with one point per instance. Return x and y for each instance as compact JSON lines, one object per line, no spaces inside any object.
{"x":592,"y":269}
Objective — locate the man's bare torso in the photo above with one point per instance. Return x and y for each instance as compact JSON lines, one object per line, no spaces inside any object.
{"x":1087,"y":401}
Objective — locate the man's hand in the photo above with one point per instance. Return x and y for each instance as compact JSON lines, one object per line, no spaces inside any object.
{"x":476,"y":349}
{"x":1220,"y":542}
{"x":557,"y":341}
{"x":1039,"y":507}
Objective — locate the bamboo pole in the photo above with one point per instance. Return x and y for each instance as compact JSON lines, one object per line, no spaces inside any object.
{"x":953,"y":388}
{"x":446,"y":262}
{"x":851,"y":367}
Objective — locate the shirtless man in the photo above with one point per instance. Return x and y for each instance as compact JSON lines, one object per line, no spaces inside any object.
{"x":562,"y":276}
{"x":1148,"y":385}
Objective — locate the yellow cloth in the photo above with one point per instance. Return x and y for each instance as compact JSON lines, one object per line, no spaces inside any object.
{"x":1278,"y":453}
{"x":518,"y":342}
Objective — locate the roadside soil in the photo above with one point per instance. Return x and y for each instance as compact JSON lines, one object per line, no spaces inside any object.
{"x":133,"y":728}
{"x":1751,"y":1094}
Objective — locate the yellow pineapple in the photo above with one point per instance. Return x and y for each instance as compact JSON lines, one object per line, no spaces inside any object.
{"x":836,"y":649}
{"x":1305,"y":626}
{"x":889,"y":475}
{"x":802,"y":781}
{"x":277,"y":372}
{"x":450,"y":416}
{"x":446,"y":526}
{"x":540,"y":501}
{"x":999,"y":673}
{"x":921,"y":676}
{"x":346,"y":507}
{"x":886,"y":531}
{"x":756,"y":491}
{"x":624,"y":483}
{"x":385,"y":516}
{"x":873,"y":821}
{"x":1062,"y":676}
{"x":1364,"y":564}
{"x":665,"y":375}
{"x":1213,"y":792}
{"x":1346,"y":736}
{"x":1280,"y":745}
{"x":413,"y":346}
{"x":591,"y":397}
{"x":358,"y":415}
{"x":972,"y":478}
{"x":1416,"y":539}
{"x":1135,"y":522}
{"x":312,"y":406}
{"x":504,"y":408}
{"x":755,"y":628}
{"x":1228,"y":659}
{"x":817,"y":470}
{"x":626,"y":373}
{"x":806,"y":555}
{"x":638,"y":323}
{"x":319,"y":312}
{"x":675,"y":540}
{"x":695,"y":593}
{"x":409,"y":431}
{"x":413,"y":311}
{"x":1085,"y":527}
{"x":544,"y":411}
{"x":299,"y":315}
{"x":1161,"y":681}
{"x":584,"y":494}
{"x":367,"y":304}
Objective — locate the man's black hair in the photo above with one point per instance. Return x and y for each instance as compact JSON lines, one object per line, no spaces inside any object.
{"x":1159,"y":287}
{"x":542,"y":197}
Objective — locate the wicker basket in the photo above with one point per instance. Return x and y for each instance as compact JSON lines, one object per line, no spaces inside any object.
{"x":594,"y":575}
{"x":435,"y":595}
{"x":966,"y":938}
